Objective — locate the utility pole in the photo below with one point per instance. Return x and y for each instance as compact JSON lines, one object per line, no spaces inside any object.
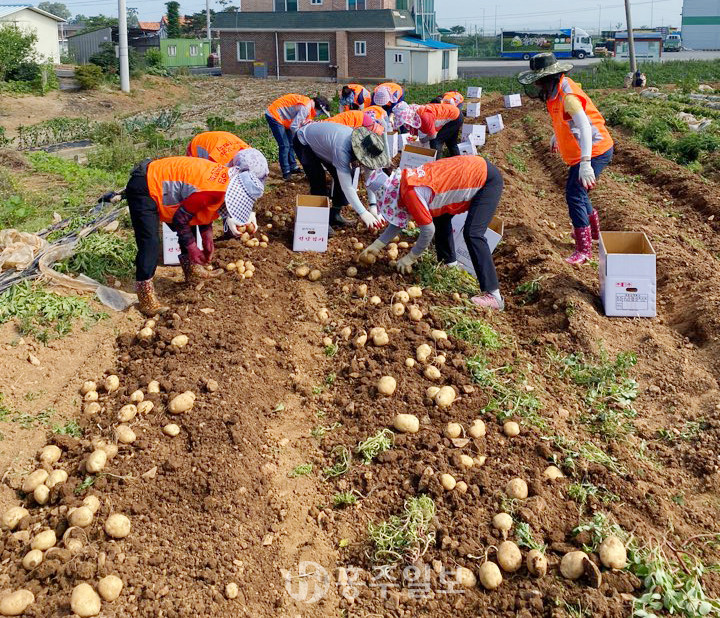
{"x":631,"y":40}
{"x":483,"y":28}
{"x":652,"y":12}
{"x":495,"y":29}
{"x":207,"y":16}
{"x":599,"y":20}
{"x":123,"y":47}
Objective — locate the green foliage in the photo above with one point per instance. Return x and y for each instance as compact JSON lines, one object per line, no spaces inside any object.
{"x":101,"y":255}
{"x":71,"y":428}
{"x":516,"y":157}
{"x":153,"y":58}
{"x":373,"y":446}
{"x":582,"y":492}
{"x":110,"y":63}
{"x":599,"y":528}
{"x":301,"y":470}
{"x":56,"y":8}
{"x":461,"y":324}
{"x":17,"y":48}
{"x":255,"y":132}
{"x":525,"y":538}
{"x":87,"y":483}
{"x":572,"y":451}
{"x":89,"y":76}
{"x":54,"y":131}
{"x":441,"y":278}
{"x":173,"y":19}
{"x":344,"y":498}
{"x":404,"y":537}
{"x":343,"y":459}
{"x":529,"y":291}
{"x":95,"y":22}
{"x":24,"y":419}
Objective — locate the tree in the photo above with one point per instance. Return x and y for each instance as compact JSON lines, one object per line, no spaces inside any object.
{"x":98,"y":21}
{"x":458,"y":30}
{"x":56,"y":8}
{"x":17,"y":47}
{"x":133,"y":21}
{"x":195,"y":24}
{"x":227,"y":7}
{"x":173,"y":19}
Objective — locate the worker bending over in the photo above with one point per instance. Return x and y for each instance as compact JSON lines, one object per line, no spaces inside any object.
{"x":441,"y":123}
{"x":216,"y":146}
{"x":354,"y":96}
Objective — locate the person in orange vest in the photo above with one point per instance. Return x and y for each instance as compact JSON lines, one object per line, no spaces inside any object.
{"x":184,"y":192}
{"x":380,"y":115}
{"x":450,"y":98}
{"x":354,"y":96}
{"x":440,"y":122}
{"x":387,"y":95}
{"x":358,"y":118}
{"x":581,"y":137}
{"x":431,"y":195}
{"x":284,"y":117}
{"x":217,"y":146}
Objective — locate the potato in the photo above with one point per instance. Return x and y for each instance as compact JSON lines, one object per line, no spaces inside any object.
{"x":56,"y":477}
{"x":41,"y":494}
{"x":179,"y":341}
{"x":150,"y":323}
{"x":423,"y":352}
{"x":361,"y":341}
{"x":387,"y":385}
{"x":517,"y":488}
{"x":553,"y":473}
{"x":314,"y":275}
{"x":503,"y":522}
{"x":402,"y":297}
{"x":137,"y":396}
{"x":13,"y":516}
{"x":432,"y":373}
{"x":406,"y":423}
{"x":92,"y":408}
{"x":109,"y":447}
{"x":511,"y":429}
{"x":96,"y":461}
{"x":302,"y":271}
{"x":153,"y":387}
{"x":50,"y":455}
{"x":465,"y":577}
{"x":81,"y":517}
{"x":127,"y":413}
{"x":44,"y":540}
{"x":467,"y":461}
{"x":571,"y":565}
{"x":477,"y":429}
{"x":232,"y":590}
{"x":124,"y":434}
{"x":346,"y":333}
{"x":15,"y":603}
{"x":509,"y":556}
{"x":461,"y":487}
{"x":91,"y":396}
{"x":414,"y":292}
{"x":613,"y":554}
{"x":480,"y":460}
{"x":323,"y":315}
{"x":145,"y":406}
{"x":448,"y":481}
{"x":453,"y":430}
{"x":112,"y":383}
{"x":88,"y":386}
{"x":32,"y":559}
{"x":409,"y":363}
{"x":327,"y":341}
{"x":490,"y":576}
{"x":117,"y":526}
{"x":73,"y":545}
{"x":365,"y":258}
{"x":437,"y":335}
{"x":432,"y":391}
{"x":375,"y":301}
{"x":110,"y":588}
{"x":182,"y":403}
{"x":404,"y":245}
{"x":397,"y":309}
{"x":415,"y":313}
{"x":84,"y":601}
{"x":351,"y":271}
{"x":145,"y":334}
{"x":381,"y":339}
{"x":171,"y":429}
{"x":536,"y":563}
{"x":93,"y":503}
{"x":362,"y":290}
{"x":445,"y":396}
{"x":38,"y":477}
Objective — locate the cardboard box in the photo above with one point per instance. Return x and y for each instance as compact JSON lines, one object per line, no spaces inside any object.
{"x":474,"y":133}
{"x":392,"y":143}
{"x":312,"y":223}
{"x":415,"y":156}
{"x":472,"y":110}
{"x":493,"y":235}
{"x":171,"y":245}
{"x":474,"y":92}
{"x":467,"y":148}
{"x":495,"y":124}
{"x":628,"y":280}
{"x":513,"y":100}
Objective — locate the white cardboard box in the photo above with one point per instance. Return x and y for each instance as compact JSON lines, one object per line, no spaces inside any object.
{"x":415,"y":156}
{"x":171,"y":245}
{"x":467,"y":148}
{"x":472,"y":110}
{"x":495,"y":124}
{"x":474,"y":133}
{"x":392,"y":140}
{"x":493,"y":235}
{"x":312,"y":223}
{"x":474,"y":92}
{"x":628,"y":280}
{"x":513,"y":100}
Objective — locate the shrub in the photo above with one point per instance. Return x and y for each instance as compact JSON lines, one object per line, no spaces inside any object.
{"x":24,"y":72}
{"x":89,"y":76}
{"x":16,"y":48}
{"x":153,"y":58}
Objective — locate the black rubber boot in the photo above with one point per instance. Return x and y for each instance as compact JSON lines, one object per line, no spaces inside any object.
{"x":336,"y":218}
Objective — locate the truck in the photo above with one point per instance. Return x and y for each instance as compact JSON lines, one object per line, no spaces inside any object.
{"x":564,"y":43}
{"x":672,"y":42}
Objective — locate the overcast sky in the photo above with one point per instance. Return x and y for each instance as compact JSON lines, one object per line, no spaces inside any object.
{"x":518,"y":14}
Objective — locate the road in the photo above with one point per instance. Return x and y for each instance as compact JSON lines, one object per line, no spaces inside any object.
{"x":505,"y":68}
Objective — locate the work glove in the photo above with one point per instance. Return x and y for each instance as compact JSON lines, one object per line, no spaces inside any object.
{"x":233,"y":225}
{"x":372,"y":221}
{"x":251,"y":225}
{"x":208,"y":242}
{"x":195,"y":254}
{"x":405,"y":263}
{"x":587,"y":175}
{"x":375,"y":248}
{"x":374,"y":210}
{"x":553,"y":144}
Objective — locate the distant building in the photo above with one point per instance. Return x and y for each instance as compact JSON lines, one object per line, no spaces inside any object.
{"x":648,"y":45}
{"x":184,"y":52}
{"x":82,"y":46}
{"x":701,"y":24}
{"x":42,"y":23}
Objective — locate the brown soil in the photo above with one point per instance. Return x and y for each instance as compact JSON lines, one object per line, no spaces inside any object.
{"x":216,"y":504}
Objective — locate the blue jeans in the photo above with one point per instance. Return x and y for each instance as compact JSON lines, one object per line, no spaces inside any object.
{"x":283,"y":137}
{"x":577,"y":197}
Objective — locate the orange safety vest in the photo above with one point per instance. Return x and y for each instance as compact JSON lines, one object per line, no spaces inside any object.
{"x":359,"y":89}
{"x":174,"y":179}
{"x":568,"y":142}
{"x":377,"y":112}
{"x":434,"y":116}
{"x":287,"y":107}
{"x":353,"y":118}
{"x":453,"y":98}
{"x":454,"y":181}
{"x":217,"y":146}
{"x":395,"y":90}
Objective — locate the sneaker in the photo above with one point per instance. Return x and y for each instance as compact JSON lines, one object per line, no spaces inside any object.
{"x":452,"y":264}
{"x":488,"y":300}
{"x":297,"y":170}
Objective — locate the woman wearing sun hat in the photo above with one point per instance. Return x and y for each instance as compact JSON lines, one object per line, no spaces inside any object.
{"x":431,"y":195}
{"x":441,"y":123}
{"x":581,"y":137}
{"x":387,"y":95}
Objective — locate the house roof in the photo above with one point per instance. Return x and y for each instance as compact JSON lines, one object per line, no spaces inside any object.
{"x":378,"y":19}
{"x":429,"y":43}
{"x":8,"y":9}
{"x":149,"y":25}
{"x":640,"y":35}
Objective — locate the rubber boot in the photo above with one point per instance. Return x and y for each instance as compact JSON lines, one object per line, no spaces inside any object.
{"x":583,"y":246}
{"x":148,"y":302}
{"x":194,"y":272}
{"x":336,"y":218}
{"x":595,"y":225}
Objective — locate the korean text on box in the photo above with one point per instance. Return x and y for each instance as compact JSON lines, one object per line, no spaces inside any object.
{"x":312,"y":223}
{"x":415,"y":156}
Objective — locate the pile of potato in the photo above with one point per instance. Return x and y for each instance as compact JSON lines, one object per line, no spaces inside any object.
{"x":244,"y":269}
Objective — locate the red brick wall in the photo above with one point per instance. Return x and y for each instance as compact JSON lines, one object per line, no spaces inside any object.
{"x":371,"y":65}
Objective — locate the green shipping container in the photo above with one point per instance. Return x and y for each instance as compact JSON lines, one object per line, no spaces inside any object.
{"x":184,"y":52}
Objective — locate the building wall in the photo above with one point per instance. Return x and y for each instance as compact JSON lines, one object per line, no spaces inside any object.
{"x":82,"y":46}
{"x":371,"y":65}
{"x":254,"y":6}
{"x":48,"y":40}
{"x":183,"y":57}
{"x":399,"y":72}
{"x":419,"y":66}
{"x":701,"y":24}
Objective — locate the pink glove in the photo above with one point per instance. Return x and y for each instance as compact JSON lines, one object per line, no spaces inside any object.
{"x":208,"y":249}
{"x":195,"y":254}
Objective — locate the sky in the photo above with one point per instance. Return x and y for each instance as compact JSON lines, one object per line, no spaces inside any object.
{"x":514,"y":15}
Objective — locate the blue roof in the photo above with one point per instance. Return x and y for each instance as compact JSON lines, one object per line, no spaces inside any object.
{"x":429,"y":43}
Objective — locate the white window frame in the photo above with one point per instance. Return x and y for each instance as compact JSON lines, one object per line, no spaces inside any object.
{"x":194,"y":50}
{"x":316,"y":2}
{"x":347,"y":5}
{"x":172,"y":51}
{"x":246,"y":44}
{"x":399,"y":58}
{"x":361,"y":48}
{"x":306,"y":43}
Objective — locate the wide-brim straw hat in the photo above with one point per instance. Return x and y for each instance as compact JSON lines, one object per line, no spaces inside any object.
{"x":543,"y":65}
{"x":369,"y":148}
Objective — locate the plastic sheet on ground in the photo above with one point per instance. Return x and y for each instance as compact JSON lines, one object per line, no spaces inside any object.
{"x":19,"y":249}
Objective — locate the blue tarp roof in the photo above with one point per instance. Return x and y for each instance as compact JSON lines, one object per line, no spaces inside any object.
{"x":429,"y":43}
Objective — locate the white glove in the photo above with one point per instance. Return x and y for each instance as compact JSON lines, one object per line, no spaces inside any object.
{"x":370,"y":220}
{"x":553,"y":144}
{"x":376,"y":247}
{"x":405,"y":263}
{"x":374,"y":210}
{"x":233,"y":225}
{"x":252,"y":223}
{"x":587,"y":175}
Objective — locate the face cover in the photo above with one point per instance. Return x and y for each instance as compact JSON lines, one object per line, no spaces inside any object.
{"x":547,"y":87}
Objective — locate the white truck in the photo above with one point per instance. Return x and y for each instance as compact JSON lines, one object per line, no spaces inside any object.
{"x":565,"y":43}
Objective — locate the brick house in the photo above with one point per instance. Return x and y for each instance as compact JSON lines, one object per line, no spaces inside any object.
{"x":334,"y":40}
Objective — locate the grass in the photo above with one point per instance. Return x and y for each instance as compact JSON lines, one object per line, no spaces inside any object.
{"x":71,"y":428}
{"x":461,"y":323}
{"x":525,"y":538}
{"x":690,"y":431}
{"x":516,"y":157}
{"x":344,"y":499}
{"x":373,"y":446}
{"x":529,"y":291}
{"x":572,"y":451}
{"x":331,"y":350}
{"x":255,"y":132}
{"x":24,"y":419}
{"x":102,"y":255}
{"x":86,"y":484}
{"x":320,"y":431}
{"x":599,"y":528}
{"x":45,"y":314}
{"x":301,"y":470}
{"x":444,"y":279}
{"x":582,"y":492}
{"x":343,"y":459}
{"x":404,"y":537}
